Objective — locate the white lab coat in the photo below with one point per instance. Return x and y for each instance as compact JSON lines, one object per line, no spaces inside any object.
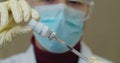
{"x":29,"y":57}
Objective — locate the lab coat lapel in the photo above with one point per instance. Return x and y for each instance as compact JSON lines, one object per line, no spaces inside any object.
{"x":29,"y":56}
{"x":26,"y":57}
{"x":85,"y":50}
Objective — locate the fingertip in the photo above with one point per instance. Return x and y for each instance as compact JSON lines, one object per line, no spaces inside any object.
{"x":26,"y":10}
{"x":4,"y":15}
{"x":16,"y":11}
{"x":35,"y":15}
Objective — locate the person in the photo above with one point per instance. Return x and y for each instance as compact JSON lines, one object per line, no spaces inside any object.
{"x":65,"y":17}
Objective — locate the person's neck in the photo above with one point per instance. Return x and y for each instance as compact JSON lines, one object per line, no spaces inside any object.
{"x":42,"y":54}
{"x":39,"y":46}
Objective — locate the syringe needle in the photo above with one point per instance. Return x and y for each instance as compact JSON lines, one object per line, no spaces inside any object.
{"x":72,"y":49}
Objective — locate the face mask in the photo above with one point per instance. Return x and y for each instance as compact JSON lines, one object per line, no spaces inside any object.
{"x":65,"y":21}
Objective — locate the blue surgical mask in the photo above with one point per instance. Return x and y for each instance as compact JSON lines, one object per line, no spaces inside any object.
{"x":65,"y":21}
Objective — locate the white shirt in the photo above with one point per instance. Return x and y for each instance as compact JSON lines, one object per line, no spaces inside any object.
{"x":29,"y":57}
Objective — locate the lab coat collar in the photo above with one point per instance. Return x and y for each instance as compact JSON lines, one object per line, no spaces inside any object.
{"x":30,"y":55}
{"x":86,"y":51}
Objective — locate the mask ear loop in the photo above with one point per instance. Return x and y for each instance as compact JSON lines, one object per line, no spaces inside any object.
{"x":90,"y":10}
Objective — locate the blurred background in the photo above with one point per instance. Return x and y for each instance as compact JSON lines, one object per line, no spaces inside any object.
{"x":102,"y":31}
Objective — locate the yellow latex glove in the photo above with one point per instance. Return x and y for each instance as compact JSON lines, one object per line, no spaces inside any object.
{"x":14,"y":16}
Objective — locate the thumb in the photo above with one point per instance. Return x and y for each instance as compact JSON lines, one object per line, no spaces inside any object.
{"x":20,"y":29}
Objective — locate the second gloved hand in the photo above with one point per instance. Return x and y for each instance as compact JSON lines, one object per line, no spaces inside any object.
{"x":14,"y":16}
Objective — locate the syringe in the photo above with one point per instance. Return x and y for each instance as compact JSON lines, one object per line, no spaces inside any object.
{"x":46,"y":32}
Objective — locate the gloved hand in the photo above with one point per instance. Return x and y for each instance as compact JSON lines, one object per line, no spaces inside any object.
{"x":14,"y":16}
